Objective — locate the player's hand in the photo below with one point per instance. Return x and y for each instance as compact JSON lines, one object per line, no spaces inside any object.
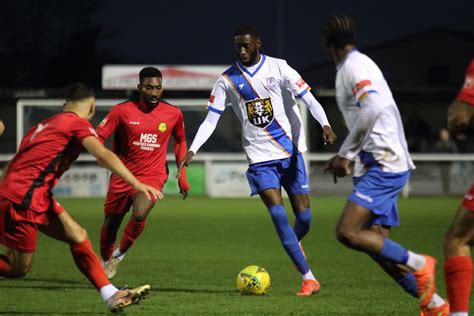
{"x":338,"y":166}
{"x":184,"y":163}
{"x":183,"y":187}
{"x":151,"y":193}
{"x":328,"y":135}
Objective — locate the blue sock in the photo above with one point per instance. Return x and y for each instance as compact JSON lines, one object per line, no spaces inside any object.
{"x":393,"y":252}
{"x":302,"y":223}
{"x":288,"y":238}
{"x":408,"y":283}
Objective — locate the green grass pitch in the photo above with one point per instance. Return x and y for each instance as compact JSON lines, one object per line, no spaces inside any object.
{"x":191,"y":251}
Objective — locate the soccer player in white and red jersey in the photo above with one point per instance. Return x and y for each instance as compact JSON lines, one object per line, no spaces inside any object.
{"x":460,"y":236}
{"x":27,"y":204}
{"x":141,"y":130}
{"x":376,"y":142}
{"x":262,"y":92}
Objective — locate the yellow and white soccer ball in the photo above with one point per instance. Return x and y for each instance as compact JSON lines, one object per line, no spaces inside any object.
{"x":253,"y":280}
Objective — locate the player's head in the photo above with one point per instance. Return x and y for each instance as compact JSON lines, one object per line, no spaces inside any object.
{"x":150,"y":86}
{"x":338,"y":33}
{"x":247,"y":44}
{"x":80,"y":98}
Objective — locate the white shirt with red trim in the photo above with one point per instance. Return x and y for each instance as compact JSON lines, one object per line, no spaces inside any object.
{"x":358,"y":77}
{"x":271,"y":79}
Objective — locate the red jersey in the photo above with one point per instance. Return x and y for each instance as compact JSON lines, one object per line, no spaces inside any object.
{"x":141,"y":136}
{"x":467,"y":92}
{"x":45,"y":153}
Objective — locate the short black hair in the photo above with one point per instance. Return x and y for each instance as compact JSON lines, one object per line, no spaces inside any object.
{"x":247,"y":30}
{"x":79,"y":91}
{"x":149,"y":72}
{"x":338,"y":31}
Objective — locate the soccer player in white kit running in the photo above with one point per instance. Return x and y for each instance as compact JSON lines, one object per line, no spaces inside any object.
{"x":376,"y":142}
{"x":262,"y":91}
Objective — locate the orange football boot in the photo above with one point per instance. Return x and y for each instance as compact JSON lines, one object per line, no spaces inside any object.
{"x":309,"y":287}
{"x":425,"y":281}
{"x":442,"y":310}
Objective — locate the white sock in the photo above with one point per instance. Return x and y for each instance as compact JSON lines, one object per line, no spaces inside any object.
{"x":458,"y":314}
{"x":309,"y":276}
{"x":107,"y":291}
{"x":118,"y":255}
{"x":415,"y":261}
{"x":435,"y":301}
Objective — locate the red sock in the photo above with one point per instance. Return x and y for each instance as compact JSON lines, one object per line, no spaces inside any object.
{"x":107,"y":244}
{"x":131,"y":233}
{"x":4,"y":265}
{"x":89,"y":264}
{"x":458,"y":275}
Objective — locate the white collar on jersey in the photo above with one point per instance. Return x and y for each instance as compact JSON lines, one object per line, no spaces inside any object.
{"x":252,"y":70}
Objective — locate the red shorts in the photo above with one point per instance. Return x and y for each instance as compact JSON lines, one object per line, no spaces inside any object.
{"x":19,"y":226}
{"x":120,"y":202}
{"x":468,"y":201}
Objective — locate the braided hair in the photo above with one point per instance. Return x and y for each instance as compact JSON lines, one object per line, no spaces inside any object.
{"x":338,"y":32}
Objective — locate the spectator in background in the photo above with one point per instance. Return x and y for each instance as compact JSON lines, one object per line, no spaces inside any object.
{"x":2,"y":127}
{"x":445,"y":144}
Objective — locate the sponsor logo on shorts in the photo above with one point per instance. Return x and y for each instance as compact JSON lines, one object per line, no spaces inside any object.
{"x":305,"y":186}
{"x":364,"y":197}
{"x":468,"y":197}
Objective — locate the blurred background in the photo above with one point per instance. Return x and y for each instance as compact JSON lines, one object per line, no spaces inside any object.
{"x":423,"y":47}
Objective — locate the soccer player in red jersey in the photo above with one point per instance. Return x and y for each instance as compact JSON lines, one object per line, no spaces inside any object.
{"x":27,"y":204}
{"x":460,"y":236}
{"x":141,"y":132}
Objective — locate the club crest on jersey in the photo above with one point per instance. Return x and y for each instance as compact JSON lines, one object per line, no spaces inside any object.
{"x":259,"y":112}
{"x":162,"y":127}
{"x":271,"y":82}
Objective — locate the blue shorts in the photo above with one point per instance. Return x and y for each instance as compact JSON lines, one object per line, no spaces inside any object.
{"x":378,"y":191}
{"x":287,"y":172}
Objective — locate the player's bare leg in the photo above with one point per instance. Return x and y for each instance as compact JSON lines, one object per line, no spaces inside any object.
{"x":458,"y":263}
{"x":351,"y":230}
{"x":15,"y":264}
{"x":66,"y":229}
{"x":108,"y":234}
{"x":141,"y":207}
{"x":273,"y":201}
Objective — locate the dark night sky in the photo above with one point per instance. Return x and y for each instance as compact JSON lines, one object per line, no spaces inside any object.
{"x":47,"y":42}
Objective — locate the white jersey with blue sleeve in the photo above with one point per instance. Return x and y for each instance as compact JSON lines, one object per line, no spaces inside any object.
{"x":375,"y":127}
{"x":263,"y":98}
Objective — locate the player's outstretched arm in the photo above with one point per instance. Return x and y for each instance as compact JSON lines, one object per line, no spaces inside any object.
{"x":180,"y":149}
{"x":318,"y":113}
{"x":110,"y":161}
{"x":204,"y":132}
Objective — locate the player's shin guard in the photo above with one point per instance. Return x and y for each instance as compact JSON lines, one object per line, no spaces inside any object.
{"x":458,"y":275}
{"x":393,"y":252}
{"x":107,"y":243}
{"x":89,"y":264}
{"x":4,"y":265}
{"x":131,"y":233}
{"x":302,"y":223}
{"x":408,"y":283}
{"x":288,"y":238}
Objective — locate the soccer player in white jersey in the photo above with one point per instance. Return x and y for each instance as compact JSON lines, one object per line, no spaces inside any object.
{"x":262,"y":91}
{"x":376,"y":142}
